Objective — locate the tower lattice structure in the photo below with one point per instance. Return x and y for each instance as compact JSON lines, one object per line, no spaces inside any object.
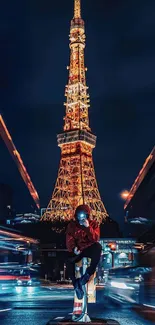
{"x":76,"y":182}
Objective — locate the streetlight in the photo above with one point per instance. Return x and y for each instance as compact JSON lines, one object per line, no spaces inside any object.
{"x":124,"y":194}
{"x":64,"y":271}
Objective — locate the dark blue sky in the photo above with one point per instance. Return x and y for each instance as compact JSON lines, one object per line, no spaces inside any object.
{"x":120,"y":56}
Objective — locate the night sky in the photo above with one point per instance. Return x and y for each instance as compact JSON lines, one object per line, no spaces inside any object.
{"x":120,"y":56}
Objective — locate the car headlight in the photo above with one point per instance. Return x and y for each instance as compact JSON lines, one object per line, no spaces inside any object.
{"x":29,"y":282}
{"x":120,"y":285}
{"x":19,"y":282}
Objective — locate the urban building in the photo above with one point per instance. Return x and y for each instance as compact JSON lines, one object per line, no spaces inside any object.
{"x":110,"y":229}
{"x":118,"y":252}
{"x":140,"y":212}
{"x":24,"y":218}
{"x":17,"y":248}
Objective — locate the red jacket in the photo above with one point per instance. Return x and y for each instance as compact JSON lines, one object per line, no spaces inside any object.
{"x":80,"y":236}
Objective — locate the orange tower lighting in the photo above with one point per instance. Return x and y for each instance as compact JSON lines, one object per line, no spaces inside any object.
{"x":17,"y":158}
{"x":76,"y":182}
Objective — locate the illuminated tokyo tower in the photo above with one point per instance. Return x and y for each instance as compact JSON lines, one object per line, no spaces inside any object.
{"x":76,"y":182}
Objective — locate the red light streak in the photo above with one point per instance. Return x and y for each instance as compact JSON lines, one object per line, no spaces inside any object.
{"x":148,"y":162}
{"x":17,"y":159}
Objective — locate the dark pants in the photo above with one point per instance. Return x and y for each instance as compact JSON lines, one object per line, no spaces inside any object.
{"x":93,"y":252}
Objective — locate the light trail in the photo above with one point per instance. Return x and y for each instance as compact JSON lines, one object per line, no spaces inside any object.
{"x":17,"y":159}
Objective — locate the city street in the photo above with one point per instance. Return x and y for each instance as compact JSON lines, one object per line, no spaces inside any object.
{"x":69,"y":213}
{"x":36,"y":306}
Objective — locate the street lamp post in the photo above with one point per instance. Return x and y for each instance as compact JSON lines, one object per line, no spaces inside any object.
{"x":64,"y":271}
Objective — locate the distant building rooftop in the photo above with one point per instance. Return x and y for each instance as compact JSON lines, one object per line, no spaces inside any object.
{"x":23,"y":218}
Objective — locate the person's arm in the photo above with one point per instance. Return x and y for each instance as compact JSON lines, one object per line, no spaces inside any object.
{"x":93,"y":231}
{"x":70,"y":240}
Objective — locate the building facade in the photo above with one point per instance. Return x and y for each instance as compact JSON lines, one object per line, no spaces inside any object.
{"x":116,"y":252}
{"x":17,"y":248}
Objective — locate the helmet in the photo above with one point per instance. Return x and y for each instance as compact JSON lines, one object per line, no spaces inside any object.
{"x":82,"y":211}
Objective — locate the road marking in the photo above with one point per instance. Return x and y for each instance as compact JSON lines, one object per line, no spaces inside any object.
{"x":2,"y":310}
{"x":59,"y":318}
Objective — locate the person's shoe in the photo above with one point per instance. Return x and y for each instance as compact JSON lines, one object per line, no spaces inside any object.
{"x":78,"y":289}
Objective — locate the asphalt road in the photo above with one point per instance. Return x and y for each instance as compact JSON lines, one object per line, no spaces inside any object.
{"x":36,"y":307}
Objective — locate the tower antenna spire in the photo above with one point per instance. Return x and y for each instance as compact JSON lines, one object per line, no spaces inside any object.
{"x":77,"y":8}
